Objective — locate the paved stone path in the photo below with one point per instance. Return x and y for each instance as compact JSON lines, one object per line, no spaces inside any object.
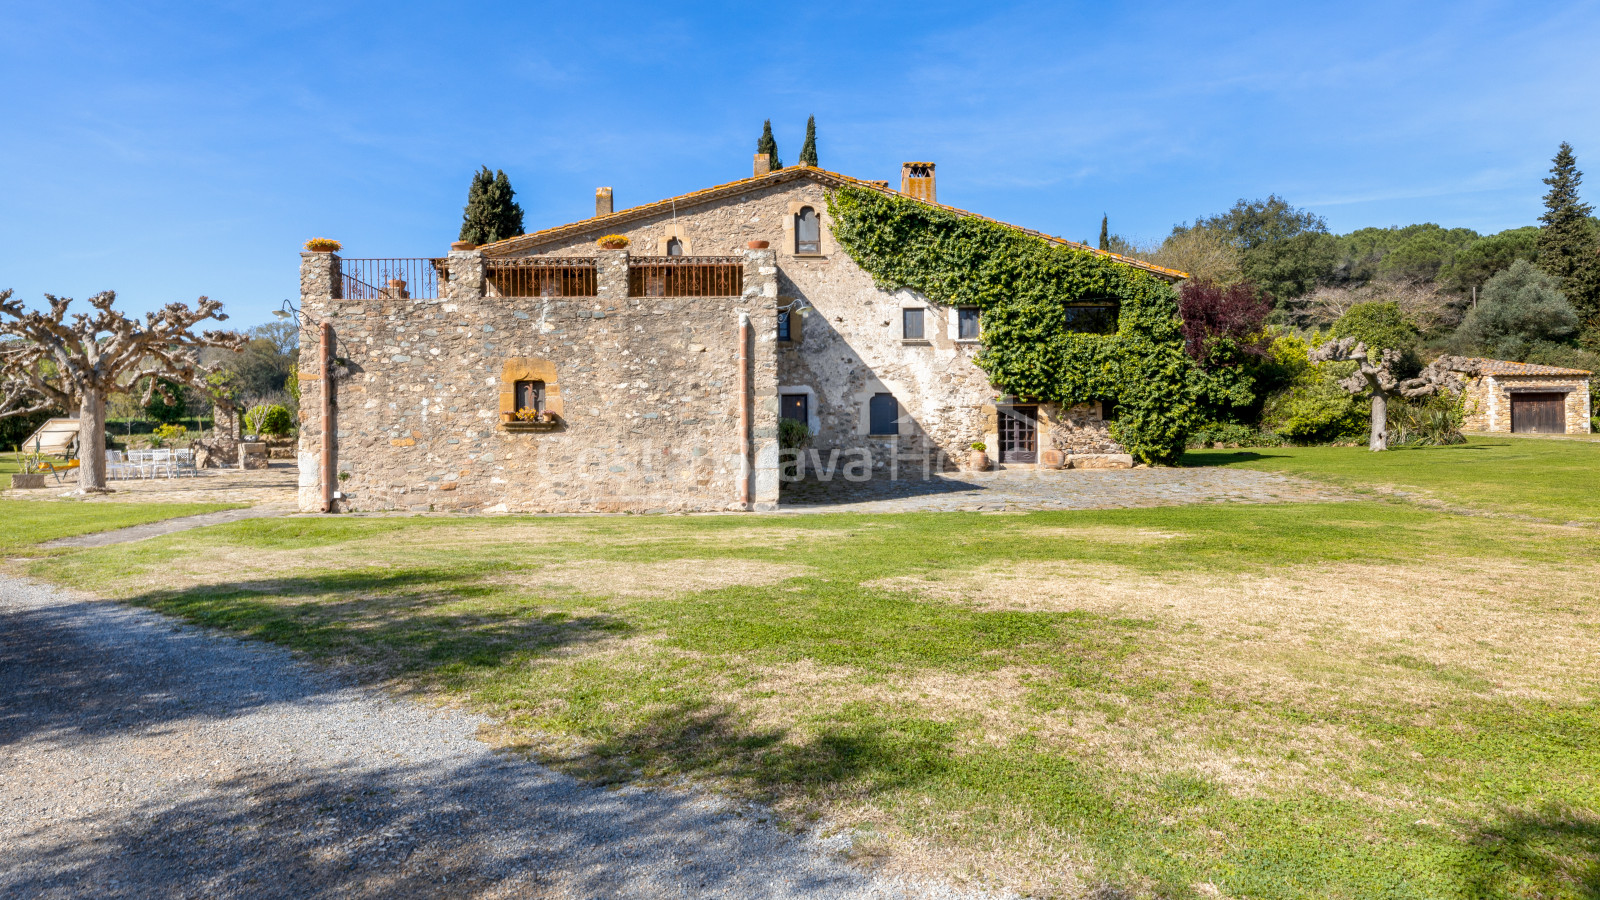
{"x":165,"y":526}
{"x":143,"y":758}
{"x":273,"y":488}
{"x":1045,"y":489}
{"x":1015,"y":489}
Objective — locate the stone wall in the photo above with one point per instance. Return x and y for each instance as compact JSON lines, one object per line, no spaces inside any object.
{"x":1489,"y":400}
{"x":646,"y":390}
{"x":850,"y":343}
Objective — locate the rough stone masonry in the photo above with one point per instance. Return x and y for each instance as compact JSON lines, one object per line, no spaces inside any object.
{"x":646,"y":387}
{"x":645,"y":390}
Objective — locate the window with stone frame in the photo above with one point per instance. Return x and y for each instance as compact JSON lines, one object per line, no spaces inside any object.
{"x":530,"y":395}
{"x":967,"y":323}
{"x":807,"y":232}
{"x":912,"y":322}
{"x":883,"y":415}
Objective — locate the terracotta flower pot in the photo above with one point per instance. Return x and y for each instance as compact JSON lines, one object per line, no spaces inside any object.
{"x":757,"y":245}
{"x":613,"y":245}
{"x":978,"y":460}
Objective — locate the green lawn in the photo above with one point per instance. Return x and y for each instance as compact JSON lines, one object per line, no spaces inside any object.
{"x":24,"y":523}
{"x":1344,"y":700}
{"x":1553,"y":479}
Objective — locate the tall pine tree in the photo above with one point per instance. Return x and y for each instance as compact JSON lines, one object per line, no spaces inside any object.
{"x":1105,"y":233}
{"x":1568,"y":243}
{"x":808,"y":150}
{"x":492,"y":213}
{"x":769,"y":145}
{"x":1566,"y":239}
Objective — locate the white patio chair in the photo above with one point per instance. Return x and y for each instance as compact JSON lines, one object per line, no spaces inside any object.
{"x":161,"y":463}
{"x":117,"y":467}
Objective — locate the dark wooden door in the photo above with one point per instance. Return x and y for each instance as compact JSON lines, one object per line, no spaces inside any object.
{"x":1539,"y":413}
{"x":1019,"y":434}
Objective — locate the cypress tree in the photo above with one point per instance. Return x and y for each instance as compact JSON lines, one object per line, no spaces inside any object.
{"x":808,"y":150}
{"x":1565,"y":240}
{"x":492,"y":213}
{"x":1105,"y":235}
{"x":769,"y":145}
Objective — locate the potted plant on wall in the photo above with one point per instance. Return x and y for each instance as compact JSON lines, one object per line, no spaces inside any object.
{"x":614,"y":242}
{"x":757,"y":245}
{"x":324,"y":245}
{"x":978,"y":458}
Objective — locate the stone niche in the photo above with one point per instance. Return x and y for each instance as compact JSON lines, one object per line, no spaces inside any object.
{"x":529,"y":368}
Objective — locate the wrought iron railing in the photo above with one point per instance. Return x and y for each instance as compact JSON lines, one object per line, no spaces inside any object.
{"x":685,"y":276}
{"x":543,"y":276}
{"x":372,"y":279}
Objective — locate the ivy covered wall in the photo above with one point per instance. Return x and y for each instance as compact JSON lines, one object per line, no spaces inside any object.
{"x":1025,"y":287}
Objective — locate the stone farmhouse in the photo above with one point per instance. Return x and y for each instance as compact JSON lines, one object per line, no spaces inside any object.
{"x":1521,"y":398}
{"x":545,"y":373}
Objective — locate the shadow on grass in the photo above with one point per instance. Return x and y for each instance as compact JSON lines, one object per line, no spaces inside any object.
{"x":1527,"y":854}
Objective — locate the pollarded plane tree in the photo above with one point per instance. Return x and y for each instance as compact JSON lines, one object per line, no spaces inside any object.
{"x":50,"y":359}
{"x":1374,"y":375}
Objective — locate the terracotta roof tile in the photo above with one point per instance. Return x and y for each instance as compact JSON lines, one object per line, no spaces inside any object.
{"x":1506,"y":367}
{"x":789,"y":173}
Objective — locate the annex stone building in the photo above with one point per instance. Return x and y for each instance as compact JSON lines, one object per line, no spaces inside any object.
{"x":546,"y":373}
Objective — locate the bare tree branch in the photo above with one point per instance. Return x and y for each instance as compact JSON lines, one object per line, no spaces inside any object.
{"x":48,"y":359}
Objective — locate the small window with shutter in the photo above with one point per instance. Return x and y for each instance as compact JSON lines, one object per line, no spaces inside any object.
{"x":967,"y":323}
{"x":807,"y":233}
{"x":912,"y":324}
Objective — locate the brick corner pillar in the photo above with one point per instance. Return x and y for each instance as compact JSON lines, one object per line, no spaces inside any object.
{"x":760,"y":300}
{"x":319,"y":288}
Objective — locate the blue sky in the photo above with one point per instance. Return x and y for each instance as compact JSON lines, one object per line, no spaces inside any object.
{"x":172,"y":150}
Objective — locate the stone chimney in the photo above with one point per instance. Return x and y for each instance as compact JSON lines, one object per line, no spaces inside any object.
{"x":602,"y":201}
{"x":916,"y":180}
{"x":763,"y":165}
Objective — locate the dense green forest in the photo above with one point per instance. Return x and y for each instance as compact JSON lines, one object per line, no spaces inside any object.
{"x":1270,"y":281}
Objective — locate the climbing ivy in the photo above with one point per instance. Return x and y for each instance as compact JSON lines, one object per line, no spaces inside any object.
{"x":1023,"y":287}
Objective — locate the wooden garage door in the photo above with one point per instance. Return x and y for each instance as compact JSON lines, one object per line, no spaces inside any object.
{"x":1542,"y":413}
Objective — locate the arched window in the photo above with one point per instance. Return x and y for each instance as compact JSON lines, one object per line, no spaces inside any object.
{"x":674,"y":247}
{"x":807,"y":231}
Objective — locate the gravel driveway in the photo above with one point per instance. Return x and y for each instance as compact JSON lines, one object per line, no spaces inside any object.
{"x":143,"y":758}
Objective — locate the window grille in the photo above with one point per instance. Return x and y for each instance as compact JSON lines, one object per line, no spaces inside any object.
{"x":1092,"y":318}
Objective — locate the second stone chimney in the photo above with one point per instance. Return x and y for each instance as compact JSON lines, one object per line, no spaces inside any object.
{"x":602,"y":201}
{"x":763,"y":165}
{"x":916,"y":180}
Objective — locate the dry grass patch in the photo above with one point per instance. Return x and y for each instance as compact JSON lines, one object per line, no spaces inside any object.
{"x":1377,"y":630}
